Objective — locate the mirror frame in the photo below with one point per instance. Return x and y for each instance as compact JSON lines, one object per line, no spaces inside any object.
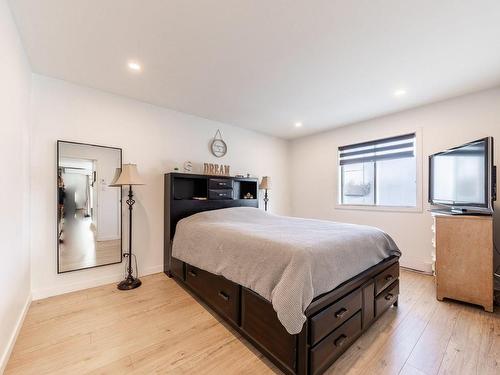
{"x":57,"y":207}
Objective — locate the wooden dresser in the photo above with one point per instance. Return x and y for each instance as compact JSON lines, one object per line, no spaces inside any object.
{"x":464,"y":258}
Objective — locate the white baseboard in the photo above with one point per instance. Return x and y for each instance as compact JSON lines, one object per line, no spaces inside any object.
{"x":108,"y":238}
{"x":152,"y":270}
{"x":416,"y":264}
{"x":91,"y":283}
{"x":13,"y":337}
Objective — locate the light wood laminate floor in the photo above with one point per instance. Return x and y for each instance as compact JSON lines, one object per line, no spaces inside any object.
{"x":80,"y":248}
{"x":159,"y":329}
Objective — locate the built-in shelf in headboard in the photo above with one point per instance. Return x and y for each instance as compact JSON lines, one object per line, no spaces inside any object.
{"x":187,"y":194}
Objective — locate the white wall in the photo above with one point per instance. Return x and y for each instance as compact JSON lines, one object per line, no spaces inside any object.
{"x":15,"y":81}
{"x":444,"y":124}
{"x":155,"y":138}
{"x":159,"y":139}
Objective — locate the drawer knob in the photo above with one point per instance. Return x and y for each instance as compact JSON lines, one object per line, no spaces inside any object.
{"x":222,"y":184}
{"x":224,"y":296}
{"x":340,"y":341}
{"x":389,"y":278}
{"x":389,"y":297}
{"x":192,"y":273}
{"x":340,"y":314}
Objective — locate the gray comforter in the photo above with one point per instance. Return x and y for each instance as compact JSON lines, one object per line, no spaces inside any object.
{"x":286,"y":260}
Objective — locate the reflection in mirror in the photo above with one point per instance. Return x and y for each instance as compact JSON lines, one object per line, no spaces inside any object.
{"x":89,"y":226}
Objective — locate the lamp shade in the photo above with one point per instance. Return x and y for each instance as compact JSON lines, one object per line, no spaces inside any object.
{"x":265,"y":183}
{"x":129,"y":176}
{"x":118,"y":171}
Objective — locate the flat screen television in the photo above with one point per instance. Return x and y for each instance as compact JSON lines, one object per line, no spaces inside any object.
{"x":463,"y":179}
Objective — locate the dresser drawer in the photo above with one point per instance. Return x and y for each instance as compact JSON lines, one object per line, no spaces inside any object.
{"x":326,"y":321}
{"x":220,"y":183}
{"x":386,"y":298}
{"x":221,"y":294}
{"x":220,"y":194}
{"x":323,"y":354}
{"x":386,"y":278}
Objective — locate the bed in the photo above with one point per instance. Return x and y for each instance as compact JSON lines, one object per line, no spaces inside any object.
{"x":301,"y":291}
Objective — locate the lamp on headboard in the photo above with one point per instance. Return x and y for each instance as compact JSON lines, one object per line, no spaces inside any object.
{"x":265,"y":184}
{"x":129,"y":176}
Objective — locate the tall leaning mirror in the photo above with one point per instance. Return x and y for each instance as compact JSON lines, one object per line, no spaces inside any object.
{"x":89,"y":228}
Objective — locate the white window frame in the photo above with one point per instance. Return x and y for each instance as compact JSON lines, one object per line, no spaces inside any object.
{"x":419,"y":182}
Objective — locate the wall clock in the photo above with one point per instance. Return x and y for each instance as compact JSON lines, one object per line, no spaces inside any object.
{"x":218,"y":147}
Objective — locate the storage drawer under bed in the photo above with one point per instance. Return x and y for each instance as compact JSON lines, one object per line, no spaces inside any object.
{"x":327,"y":333}
{"x":386,"y":278}
{"x":221,"y":294}
{"x":387,"y":298}
{"x":324,"y":353}
{"x":333,"y":316}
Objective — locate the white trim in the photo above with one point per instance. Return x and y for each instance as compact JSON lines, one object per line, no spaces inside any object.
{"x":361,"y":207}
{"x":417,"y":264}
{"x":15,"y":333}
{"x":111,"y":237}
{"x":67,"y":288}
{"x":419,"y":184}
{"x":416,"y":271}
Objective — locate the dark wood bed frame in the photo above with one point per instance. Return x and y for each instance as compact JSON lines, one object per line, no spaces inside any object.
{"x":334,"y":320}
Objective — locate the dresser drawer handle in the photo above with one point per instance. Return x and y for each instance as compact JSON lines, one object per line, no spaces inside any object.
{"x":222,"y":184}
{"x":340,"y":314}
{"x":389,"y":297}
{"x":224,"y":296}
{"x":192,"y":273}
{"x":340,"y":341}
{"x":221,"y":194}
{"x":389,"y":278}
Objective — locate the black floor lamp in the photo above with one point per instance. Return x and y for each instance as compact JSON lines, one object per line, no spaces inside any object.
{"x":129,"y":176}
{"x":265,"y":184}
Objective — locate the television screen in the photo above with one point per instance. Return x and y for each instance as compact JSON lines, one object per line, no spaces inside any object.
{"x":461,"y":176}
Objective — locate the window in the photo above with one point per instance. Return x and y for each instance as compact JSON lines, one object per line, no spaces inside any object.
{"x":379,"y":173}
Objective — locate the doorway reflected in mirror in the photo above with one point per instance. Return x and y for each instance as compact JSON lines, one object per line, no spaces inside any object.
{"x":89,"y":228}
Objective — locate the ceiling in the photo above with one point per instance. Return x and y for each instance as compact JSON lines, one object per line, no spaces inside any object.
{"x":266,"y":65}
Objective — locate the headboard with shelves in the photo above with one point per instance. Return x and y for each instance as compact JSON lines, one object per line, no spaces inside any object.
{"x":187,"y":194}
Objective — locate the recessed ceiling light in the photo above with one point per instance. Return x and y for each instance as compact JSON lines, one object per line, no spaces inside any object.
{"x":135,"y":66}
{"x":298,"y":124}
{"x":399,"y":93}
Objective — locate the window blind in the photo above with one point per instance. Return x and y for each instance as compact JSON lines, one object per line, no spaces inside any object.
{"x":402,"y":146}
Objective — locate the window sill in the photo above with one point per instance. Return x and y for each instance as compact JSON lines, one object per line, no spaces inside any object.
{"x":360,"y":207}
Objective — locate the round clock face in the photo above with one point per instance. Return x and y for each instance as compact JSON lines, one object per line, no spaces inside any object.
{"x":219,"y":147}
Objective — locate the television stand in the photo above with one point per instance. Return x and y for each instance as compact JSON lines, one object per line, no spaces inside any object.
{"x":459,"y":211}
